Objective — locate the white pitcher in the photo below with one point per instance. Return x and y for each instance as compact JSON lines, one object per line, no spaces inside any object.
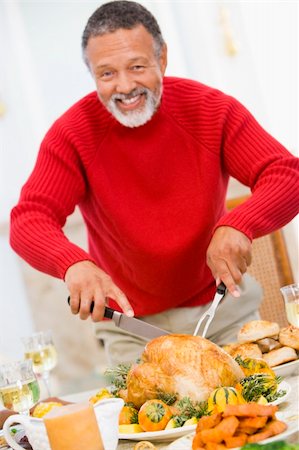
{"x":107,"y":414}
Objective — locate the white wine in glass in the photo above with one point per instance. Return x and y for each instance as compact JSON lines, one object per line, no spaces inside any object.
{"x":290,"y":295}
{"x":40,"y":349}
{"x":19,"y":388}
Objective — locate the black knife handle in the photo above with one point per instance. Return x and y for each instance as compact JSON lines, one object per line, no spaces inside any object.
{"x":91,"y":305}
{"x":221,"y":288}
{"x":108,"y":311}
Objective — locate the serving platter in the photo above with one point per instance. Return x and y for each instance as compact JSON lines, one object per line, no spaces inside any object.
{"x":164,"y":435}
{"x":287,"y":369}
{"x":290,"y":418}
{"x":283,"y":386}
{"x":173,"y":433}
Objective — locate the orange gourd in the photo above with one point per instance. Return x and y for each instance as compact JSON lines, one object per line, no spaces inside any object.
{"x":154,"y":415}
{"x":128,"y":415}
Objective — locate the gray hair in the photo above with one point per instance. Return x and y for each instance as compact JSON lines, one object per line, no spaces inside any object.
{"x":121,"y":14}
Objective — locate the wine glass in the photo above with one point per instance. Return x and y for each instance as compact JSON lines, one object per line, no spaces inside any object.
{"x":290,"y":295}
{"x":39,"y":347}
{"x":19,"y":388}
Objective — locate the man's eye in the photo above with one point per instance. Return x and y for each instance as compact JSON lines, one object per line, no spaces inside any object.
{"x":107,"y":74}
{"x":138,"y":68}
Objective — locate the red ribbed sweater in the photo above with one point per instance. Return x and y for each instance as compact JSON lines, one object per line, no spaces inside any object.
{"x":151,"y":196}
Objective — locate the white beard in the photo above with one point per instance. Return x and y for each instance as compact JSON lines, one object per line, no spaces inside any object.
{"x":137,"y":117}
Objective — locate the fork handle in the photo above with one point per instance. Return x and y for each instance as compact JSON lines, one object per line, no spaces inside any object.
{"x":221,"y":288}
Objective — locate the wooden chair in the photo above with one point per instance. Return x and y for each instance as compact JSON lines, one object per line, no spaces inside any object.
{"x":271,"y":268}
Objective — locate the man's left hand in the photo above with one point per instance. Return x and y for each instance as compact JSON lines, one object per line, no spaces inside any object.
{"x":228,"y":256}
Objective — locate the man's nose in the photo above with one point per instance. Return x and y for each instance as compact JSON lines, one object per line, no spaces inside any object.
{"x":125,"y":83}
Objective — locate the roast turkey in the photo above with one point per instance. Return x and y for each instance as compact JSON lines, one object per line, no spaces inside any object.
{"x":183,"y":365}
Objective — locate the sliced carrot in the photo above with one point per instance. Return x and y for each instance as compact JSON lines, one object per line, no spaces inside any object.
{"x":214,"y":446}
{"x":236,"y":441}
{"x":206,"y":422}
{"x":250,"y":410}
{"x":197,"y":443}
{"x":212,"y":435}
{"x":276,"y":427}
{"x":253,"y":422}
{"x":247,"y":430}
{"x":228,"y":426}
{"x":271,"y":429}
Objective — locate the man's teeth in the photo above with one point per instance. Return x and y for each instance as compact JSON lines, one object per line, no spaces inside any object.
{"x":128,"y":101}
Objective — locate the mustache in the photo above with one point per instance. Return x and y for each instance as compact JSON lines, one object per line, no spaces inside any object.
{"x":133,"y":93}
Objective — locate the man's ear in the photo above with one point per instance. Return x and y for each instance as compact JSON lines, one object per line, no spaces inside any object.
{"x":163,"y":59}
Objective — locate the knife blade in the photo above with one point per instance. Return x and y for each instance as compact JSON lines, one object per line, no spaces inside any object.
{"x":131,"y":324}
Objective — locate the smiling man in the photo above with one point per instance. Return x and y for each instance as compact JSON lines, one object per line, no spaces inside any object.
{"x":128,"y":73}
{"x":147,"y":159}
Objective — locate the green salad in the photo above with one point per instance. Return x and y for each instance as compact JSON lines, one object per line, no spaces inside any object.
{"x":278,"y":445}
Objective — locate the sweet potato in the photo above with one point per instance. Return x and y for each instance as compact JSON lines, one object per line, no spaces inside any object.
{"x":227,"y":426}
{"x":206,"y":422}
{"x":214,"y":446}
{"x":248,"y":430}
{"x":235,"y":441}
{"x":197,"y":443}
{"x":250,"y":410}
{"x":212,"y":435}
{"x":252,"y":422}
{"x":271,"y":429}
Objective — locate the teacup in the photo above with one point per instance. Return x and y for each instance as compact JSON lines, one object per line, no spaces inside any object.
{"x":107,"y":414}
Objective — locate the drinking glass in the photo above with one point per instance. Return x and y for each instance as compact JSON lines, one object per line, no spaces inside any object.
{"x":19,"y":388}
{"x":290,"y":295}
{"x":39,"y":347}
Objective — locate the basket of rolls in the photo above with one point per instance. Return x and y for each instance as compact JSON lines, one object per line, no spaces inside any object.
{"x":261,"y":339}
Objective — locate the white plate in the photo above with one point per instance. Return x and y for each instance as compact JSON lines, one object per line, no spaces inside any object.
{"x":182,"y":431}
{"x":283,"y":386}
{"x":164,"y":435}
{"x":287,"y":369}
{"x":291,"y":419}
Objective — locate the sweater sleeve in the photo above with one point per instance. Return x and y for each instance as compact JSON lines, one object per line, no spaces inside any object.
{"x":50,"y":195}
{"x":257,"y":160}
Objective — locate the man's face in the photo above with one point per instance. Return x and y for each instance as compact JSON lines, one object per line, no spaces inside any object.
{"x":127,"y":73}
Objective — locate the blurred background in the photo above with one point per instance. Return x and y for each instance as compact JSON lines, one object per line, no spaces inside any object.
{"x":247,"y":49}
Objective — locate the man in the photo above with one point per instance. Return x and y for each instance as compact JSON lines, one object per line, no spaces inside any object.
{"x":147,"y":158}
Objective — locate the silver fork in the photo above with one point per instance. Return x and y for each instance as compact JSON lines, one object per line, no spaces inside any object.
{"x":220,"y":293}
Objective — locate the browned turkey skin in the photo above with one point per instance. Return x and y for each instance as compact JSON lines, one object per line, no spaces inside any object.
{"x":188,"y":366}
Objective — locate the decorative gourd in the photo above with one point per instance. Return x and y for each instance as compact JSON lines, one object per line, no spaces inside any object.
{"x":127,"y":415}
{"x":223,"y":396}
{"x":251,"y":366}
{"x":260,"y":384}
{"x":154,"y":415}
{"x":102,"y":393}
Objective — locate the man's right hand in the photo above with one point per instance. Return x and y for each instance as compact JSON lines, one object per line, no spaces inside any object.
{"x":87,"y":283}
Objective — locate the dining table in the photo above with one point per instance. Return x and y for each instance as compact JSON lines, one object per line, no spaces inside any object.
{"x":290,"y":407}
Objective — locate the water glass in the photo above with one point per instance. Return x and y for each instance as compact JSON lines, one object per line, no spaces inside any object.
{"x":290,"y":295}
{"x":19,"y":388}
{"x":40,"y":349}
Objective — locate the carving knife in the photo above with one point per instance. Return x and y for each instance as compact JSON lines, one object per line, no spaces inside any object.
{"x":130,"y":324}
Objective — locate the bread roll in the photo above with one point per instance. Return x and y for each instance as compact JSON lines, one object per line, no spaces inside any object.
{"x":248,"y":350}
{"x":280,"y":356}
{"x":257,"y":329}
{"x":289,"y":336}
{"x":268,"y":344}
